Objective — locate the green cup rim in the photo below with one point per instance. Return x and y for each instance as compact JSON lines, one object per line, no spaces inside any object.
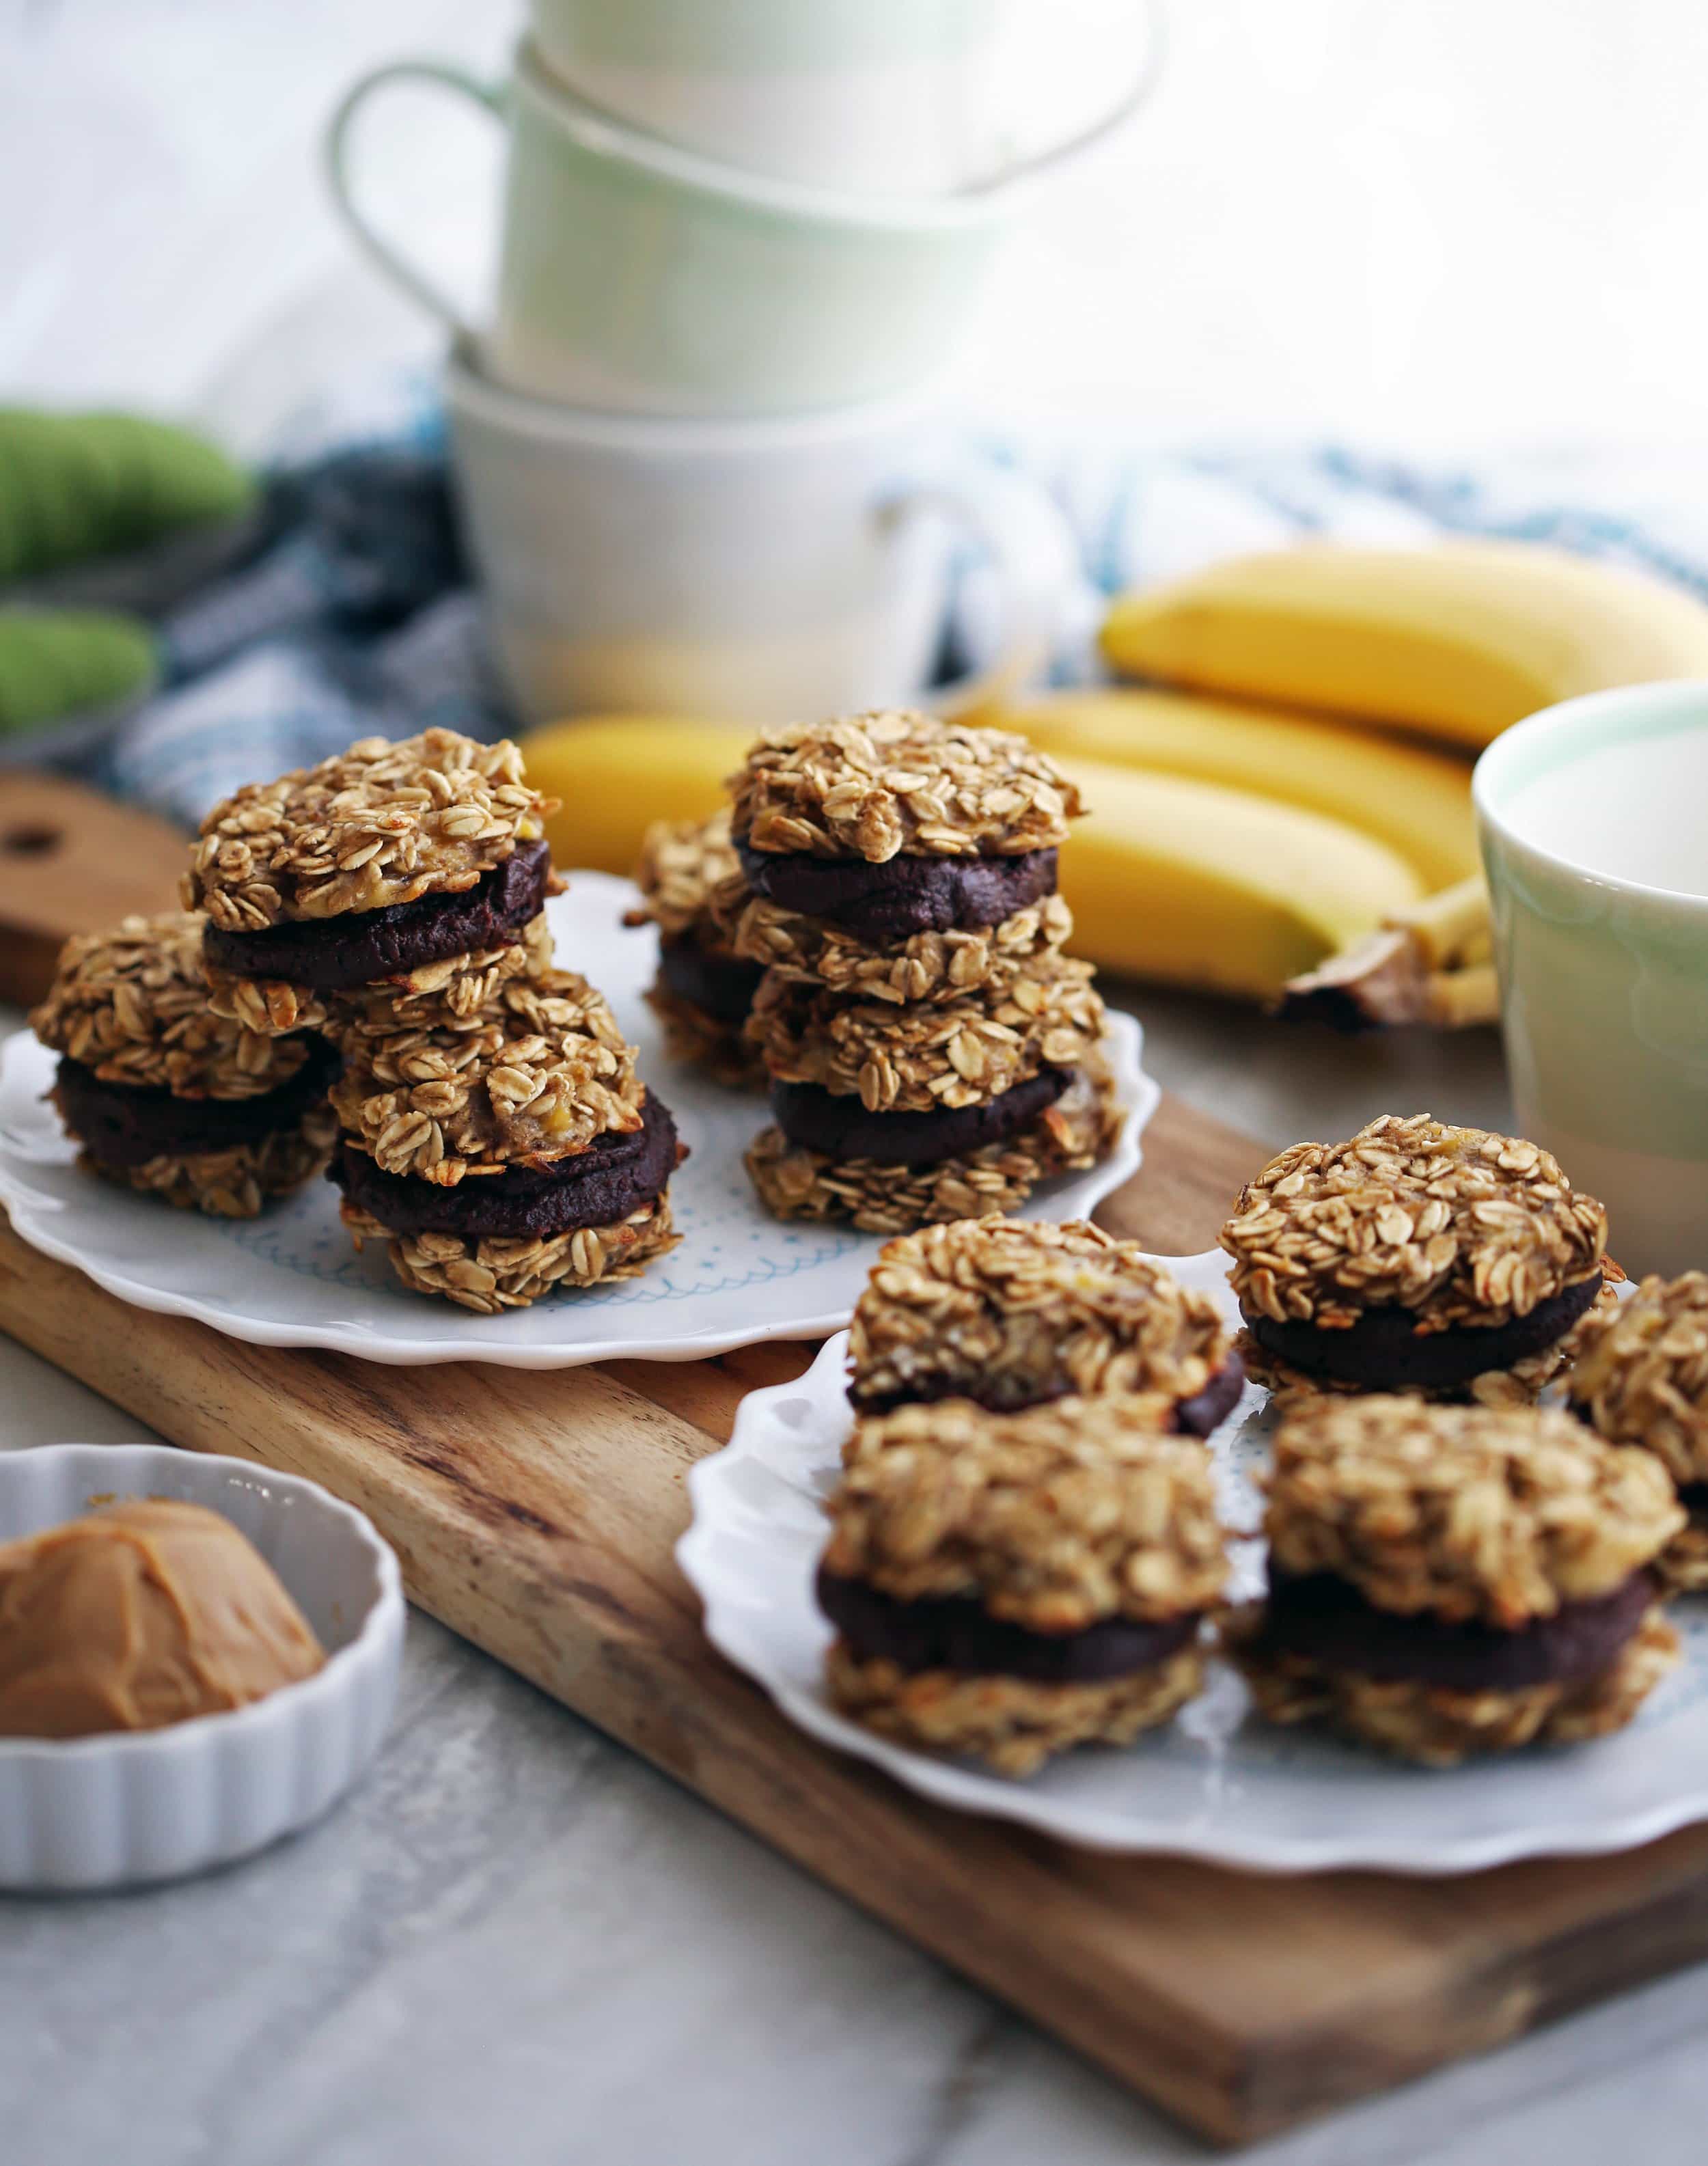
{"x":1559,"y":737}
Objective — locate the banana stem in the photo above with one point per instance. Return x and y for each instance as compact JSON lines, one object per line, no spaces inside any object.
{"x":1428,"y":963}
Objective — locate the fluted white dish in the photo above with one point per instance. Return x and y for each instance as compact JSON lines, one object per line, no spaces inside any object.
{"x":293,"y":1277}
{"x":1213,"y":1783}
{"x":123,"y":1809}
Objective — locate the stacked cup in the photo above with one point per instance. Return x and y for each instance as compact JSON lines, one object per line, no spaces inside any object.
{"x":696,"y":445}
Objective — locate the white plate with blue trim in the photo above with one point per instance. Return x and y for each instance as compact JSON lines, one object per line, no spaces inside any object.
{"x":1214,"y":1784}
{"x":293,"y":1278}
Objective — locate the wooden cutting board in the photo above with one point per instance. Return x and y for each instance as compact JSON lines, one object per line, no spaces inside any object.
{"x":537,"y":1514}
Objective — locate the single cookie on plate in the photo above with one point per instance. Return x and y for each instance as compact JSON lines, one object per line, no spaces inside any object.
{"x":692,"y":883}
{"x":1012,"y":1313}
{"x":896,"y":857}
{"x":167,"y":1097}
{"x":1446,"y":1580}
{"x":1642,"y":1378}
{"x":420,"y":867}
{"x":509,"y":1153}
{"x":1416,"y":1257}
{"x":1010,"y":1586}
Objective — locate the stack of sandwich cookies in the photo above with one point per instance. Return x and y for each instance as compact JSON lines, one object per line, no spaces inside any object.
{"x":417,"y":868}
{"x":507,"y":1153}
{"x":1013,"y":1314}
{"x":1446,"y":1580}
{"x":693,"y":891}
{"x":1010,"y":1585}
{"x":1416,"y":1257}
{"x":168,"y":1098}
{"x":932,"y":1054}
{"x":1642,"y":1379}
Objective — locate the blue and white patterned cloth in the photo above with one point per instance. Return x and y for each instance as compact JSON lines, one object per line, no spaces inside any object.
{"x":351,"y":615}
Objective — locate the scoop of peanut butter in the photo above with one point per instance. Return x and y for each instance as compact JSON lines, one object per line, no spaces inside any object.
{"x":140,"y":1615}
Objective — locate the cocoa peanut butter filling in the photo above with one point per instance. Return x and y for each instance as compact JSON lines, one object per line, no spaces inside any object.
{"x":885,"y":903}
{"x":1196,"y":1415}
{"x":1385,"y":1348}
{"x":121,"y":1126}
{"x":1326,"y":1620}
{"x":602,"y":1186}
{"x":957,"y":1633}
{"x":331,"y":954}
{"x":721,"y":986}
{"x":841,"y":1126}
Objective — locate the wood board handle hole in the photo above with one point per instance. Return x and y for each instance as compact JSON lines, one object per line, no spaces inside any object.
{"x":32,"y":839}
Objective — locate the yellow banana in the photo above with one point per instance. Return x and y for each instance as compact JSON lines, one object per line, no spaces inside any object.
{"x":1459,"y":639}
{"x":1195,"y":885}
{"x":617,"y":773}
{"x":1170,"y":878}
{"x":1416,"y":801}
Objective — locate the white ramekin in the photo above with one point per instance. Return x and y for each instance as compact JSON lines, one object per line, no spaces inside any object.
{"x":117,"y":1810}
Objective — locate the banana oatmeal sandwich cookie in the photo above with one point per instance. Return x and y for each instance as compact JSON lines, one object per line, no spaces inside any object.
{"x":1642,"y":1378}
{"x":1010,"y":1586}
{"x":167,"y":1097}
{"x":1416,"y":1257}
{"x":1013,"y":1314}
{"x":692,"y":888}
{"x":1446,"y":1580}
{"x":506,"y":1153}
{"x":895,"y":857}
{"x":417,"y":869}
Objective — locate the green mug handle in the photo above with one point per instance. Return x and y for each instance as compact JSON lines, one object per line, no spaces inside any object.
{"x":336,"y":151}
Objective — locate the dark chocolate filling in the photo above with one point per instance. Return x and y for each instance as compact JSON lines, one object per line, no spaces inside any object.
{"x":721,"y":986}
{"x":841,"y":1128}
{"x":1325,"y":1619}
{"x":957,"y":1633}
{"x":883,"y":904}
{"x":1208,"y":1409}
{"x":1197,"y":1416}
{"x":363,"y":948}
{"x":1384,"y":1347}
{"x":599,"y":1186}
{"x":122,"y":1126}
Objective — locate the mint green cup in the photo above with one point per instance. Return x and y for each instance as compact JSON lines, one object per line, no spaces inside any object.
{"x":1591,"y":817}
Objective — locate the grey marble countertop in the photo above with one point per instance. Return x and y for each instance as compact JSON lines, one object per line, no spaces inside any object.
{"x":517,"y":1943}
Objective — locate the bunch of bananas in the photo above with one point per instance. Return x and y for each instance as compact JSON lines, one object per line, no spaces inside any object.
{"x":1266,"y":821}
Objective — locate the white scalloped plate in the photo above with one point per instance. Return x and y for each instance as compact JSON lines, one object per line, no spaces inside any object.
{"x":292,"y":1278}
{"x":1211,"y":1784}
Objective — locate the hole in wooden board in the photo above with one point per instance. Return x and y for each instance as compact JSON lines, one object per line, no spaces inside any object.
{"x":30,"y":842}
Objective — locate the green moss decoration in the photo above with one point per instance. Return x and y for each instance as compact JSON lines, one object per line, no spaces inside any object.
{"x":64,"y":662}
{"x":78,"y":486}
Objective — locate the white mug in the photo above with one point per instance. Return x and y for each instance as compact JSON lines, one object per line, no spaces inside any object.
{"x":768,"y":571}
{"x":885,"y":97}
{"x":638,"y":277}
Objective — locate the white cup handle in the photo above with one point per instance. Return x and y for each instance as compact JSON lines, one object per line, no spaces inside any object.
{"x":1036,"y":562}
{"x":336,"y":150}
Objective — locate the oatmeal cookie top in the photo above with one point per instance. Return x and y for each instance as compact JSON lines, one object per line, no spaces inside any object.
{"x":1028,"y":1311}
{"x":691,"y":879}
{"x":1643,"y":1376}
{"x":380,"y":824}
{"x":535,"y":1074}
{"x":132,"y":1004}
{"x":1495,"y":1513}
{"x":1055,"y":1518}
{"x":883,"y":785}
{"x":960,"y":1052}
{"x":1456,"y":1225}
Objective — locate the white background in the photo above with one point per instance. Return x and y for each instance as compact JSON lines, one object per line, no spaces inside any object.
{"x":1416,"y":222}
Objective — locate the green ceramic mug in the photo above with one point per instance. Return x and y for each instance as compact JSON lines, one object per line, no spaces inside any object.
{"x":1590,"y":817}
{"x":638,"y":277}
